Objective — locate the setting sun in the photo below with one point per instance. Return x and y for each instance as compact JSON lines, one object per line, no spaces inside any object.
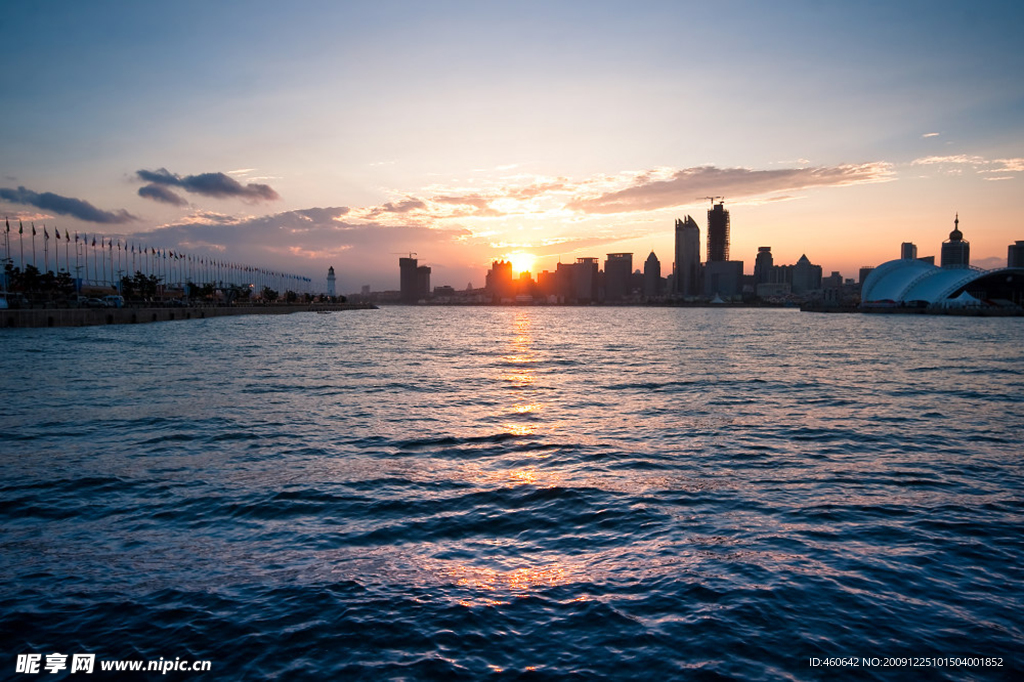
{"x":521,"y":262}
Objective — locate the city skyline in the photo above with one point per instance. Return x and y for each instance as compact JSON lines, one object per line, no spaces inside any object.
{"x":303,"y":137}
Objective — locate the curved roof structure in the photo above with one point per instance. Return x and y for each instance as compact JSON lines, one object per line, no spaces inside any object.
{"x":912,"y":281}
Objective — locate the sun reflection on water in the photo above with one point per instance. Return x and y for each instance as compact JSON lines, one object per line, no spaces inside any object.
{"x":517,"y":371}
{"x":517,"y":580}
{"x":519,"y":429}
{"x":521,"y":415}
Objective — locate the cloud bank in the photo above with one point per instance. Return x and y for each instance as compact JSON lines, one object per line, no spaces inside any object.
{"x":979,"y":163}
{"x":652,"y":191}
{"x":312,"y":239}
{"x":55,"y":203}
{"x":161,"y":194}
{"x":219,"y":185}
{"x":631,"y":192}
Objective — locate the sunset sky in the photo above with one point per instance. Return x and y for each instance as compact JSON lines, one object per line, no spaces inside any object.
{"x":301,"y":135}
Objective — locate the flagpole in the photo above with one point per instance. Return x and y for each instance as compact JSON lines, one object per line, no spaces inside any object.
{"x":34,"y":247}
{"x":78,"y":268}
{"x":46,"y":250}
{"x":7,"y":252}
{"x":21,"y":241}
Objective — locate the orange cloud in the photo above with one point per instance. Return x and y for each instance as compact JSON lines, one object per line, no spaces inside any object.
{"x":651,"y":192}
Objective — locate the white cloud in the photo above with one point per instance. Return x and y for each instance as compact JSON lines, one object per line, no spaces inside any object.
{"x":957,"y":159}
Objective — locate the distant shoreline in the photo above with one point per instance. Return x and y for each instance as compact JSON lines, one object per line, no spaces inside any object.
{"x":90,"y":317}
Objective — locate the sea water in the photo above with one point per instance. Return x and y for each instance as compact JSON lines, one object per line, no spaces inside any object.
{"x":517,"y":493}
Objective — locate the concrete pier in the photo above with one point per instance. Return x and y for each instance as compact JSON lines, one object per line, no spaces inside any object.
{"x":85,"y":317}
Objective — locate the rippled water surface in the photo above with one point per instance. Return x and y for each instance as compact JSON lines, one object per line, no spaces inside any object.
{"x":439,"y":493}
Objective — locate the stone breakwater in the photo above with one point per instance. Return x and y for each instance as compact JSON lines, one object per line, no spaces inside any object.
{"x":85,"y":317}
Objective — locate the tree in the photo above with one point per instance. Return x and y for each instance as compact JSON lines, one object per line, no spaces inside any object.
{"x":139,"y":286}
{"x":65,"y":283}
{"x":269,"y":295}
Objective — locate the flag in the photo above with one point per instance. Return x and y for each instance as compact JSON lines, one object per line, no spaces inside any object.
{"x":21,"y":228}
{"x":94,"y":240}
{"x":33,"y":229}
{"x":56,"y":233}
{"x":76,"y":240}
{"x":8,"y":224}
{"x":46,"y":235}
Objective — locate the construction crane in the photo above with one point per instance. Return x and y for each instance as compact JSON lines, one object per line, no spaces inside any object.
{"x":712,"y":199}
{"x":412,"y":254}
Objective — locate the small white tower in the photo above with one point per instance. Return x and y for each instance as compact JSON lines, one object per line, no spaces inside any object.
{"x":330,"y":282}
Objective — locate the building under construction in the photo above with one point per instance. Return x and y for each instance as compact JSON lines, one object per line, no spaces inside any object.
{"x":718,"y":233}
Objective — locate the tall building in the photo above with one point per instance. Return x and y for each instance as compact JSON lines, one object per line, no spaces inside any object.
{"x":585,"y":280}
{"x":956,"y":253}
{"x":500,"y":283}
{"x":863,"y":274}
{"x":718,"y":233}
{"x":686,"y":281}
{"x":565,"y":282}
{"x":407,"y":280}
{"x":806,"y":276}
{"x":414,"y":280}
{"x":763,"y":265}
{"x":423,"y":281}
{"x":722,"y":277}
{"x":331,"y":291}
{"x":908,"y":251}
{"x":1015,"y":255}
{"x":618,"y":270}
{"x":652,"y":276}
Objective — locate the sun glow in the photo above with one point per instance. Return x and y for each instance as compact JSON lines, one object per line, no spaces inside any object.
{"x":521,"y":262}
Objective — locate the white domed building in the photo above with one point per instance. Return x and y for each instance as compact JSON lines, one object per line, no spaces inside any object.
{"x":914,"y":283}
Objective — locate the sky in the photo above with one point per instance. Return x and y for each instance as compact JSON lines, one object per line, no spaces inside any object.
{"x":302,"y":135}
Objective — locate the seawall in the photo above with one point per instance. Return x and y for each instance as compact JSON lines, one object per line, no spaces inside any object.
{"x":86,"y":317}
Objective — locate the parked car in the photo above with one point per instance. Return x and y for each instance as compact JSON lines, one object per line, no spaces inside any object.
{"x":14,"y":301}
{"x":114,"y":301}
{"x":95,"y":303}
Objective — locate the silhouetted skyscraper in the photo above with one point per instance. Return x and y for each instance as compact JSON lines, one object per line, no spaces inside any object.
{"x":908,"y":251}
{"x":956,"y":253}
{"x":718,"y":233}
{"x":806,"y":276}
{"x":1015,"y":255}
{"x":652,"y":276}
{"x":763,"y":265}
{"x":585,"y":279}
{"x":414,"y":280}
{"x":423,"y":281}
{"x":500,"y":283}
{"x":686,"y":281}
{"x":407,"y":279}
{"x":618,"y":269}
